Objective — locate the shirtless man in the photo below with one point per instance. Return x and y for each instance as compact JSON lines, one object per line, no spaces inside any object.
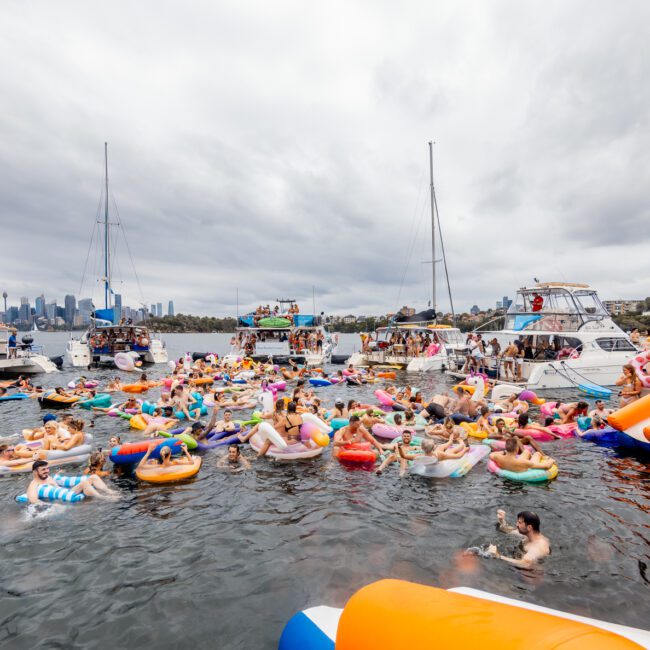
{"x":234,"y":458}
{"x":227,"y":424}
{"x":599,"y":414}
{"x":368,"y":419}
{"x":535,"y":546}
{"x":437,"y":408}
{"x":92,"y":485}
{"x":508,"y":357}
{"x":399,"y":453}
{"x":354,"y":432}
{"x":512,"y":460}
{"x":452,"y":449}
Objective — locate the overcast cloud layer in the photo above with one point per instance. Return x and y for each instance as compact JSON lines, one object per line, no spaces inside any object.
{"x":278,"y":146}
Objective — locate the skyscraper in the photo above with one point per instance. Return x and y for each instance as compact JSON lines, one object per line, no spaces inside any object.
{"x":118,"y":306}
{"x":159,"y":309}
{"x":85,"y":309}
{"x":152,"y":311}
{"x":25,"y":312}
{"x":70,"y":308}
{"x":39,"y":305}
{"x":170,"y":308}
{"x":50,"y":311}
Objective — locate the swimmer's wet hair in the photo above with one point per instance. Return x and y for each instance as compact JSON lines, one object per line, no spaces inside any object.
{"x":354,"y":418}
{"x":530,"y":519}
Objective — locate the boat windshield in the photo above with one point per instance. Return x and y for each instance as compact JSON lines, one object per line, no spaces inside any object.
{"x":554,"y":308}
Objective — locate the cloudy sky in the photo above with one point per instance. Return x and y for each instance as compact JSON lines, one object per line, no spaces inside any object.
{"x":278,"y":146}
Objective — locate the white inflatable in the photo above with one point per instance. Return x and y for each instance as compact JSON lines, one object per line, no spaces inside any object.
{"x":266,"y":400}
{"x":124,"y":361}
{"x":503,"y":391}
{"x":454,"y":468}
{"x":314,"y":419}
{"x":297,"y":451}
{"x":267,"y":432}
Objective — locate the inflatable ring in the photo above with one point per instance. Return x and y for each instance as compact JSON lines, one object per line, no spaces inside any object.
{"x":529,"y":476}
{"x":170,"y":474}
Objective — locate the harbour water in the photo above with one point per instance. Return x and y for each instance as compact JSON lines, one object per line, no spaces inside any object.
{"x":225,"y":560}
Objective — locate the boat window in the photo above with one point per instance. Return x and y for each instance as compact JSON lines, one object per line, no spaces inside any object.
{"x":616,"y":344}
{"x":589,"y":303}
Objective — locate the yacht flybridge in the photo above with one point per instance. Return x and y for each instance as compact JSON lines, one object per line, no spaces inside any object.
{"x":566,"y":335}
{"x":282,"y":334}
{"x":110,"y":334}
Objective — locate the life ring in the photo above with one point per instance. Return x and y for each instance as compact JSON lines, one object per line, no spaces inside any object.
{"x":61,"y":493}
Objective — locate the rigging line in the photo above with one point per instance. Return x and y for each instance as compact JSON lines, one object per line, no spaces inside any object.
{"x":412,"y":238}
{"x":409,"y":256}
{"x":128,"y":248}
{"x":90,"y":242}
{"x":444,"y":257}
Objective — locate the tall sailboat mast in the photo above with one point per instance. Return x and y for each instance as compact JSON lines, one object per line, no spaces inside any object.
{"x":433,"y":230}
{"x":107,"y":263}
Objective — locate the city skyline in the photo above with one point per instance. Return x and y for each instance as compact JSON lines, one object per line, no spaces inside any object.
{"x":73,"y":312}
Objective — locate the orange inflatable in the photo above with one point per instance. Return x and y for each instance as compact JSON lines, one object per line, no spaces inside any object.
{"x":134,"y":388}
{"x":393,"y":614}
{"x":631,"y":414}
{"x":386,"y":375}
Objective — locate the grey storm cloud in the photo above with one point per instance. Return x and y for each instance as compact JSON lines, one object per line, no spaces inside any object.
{"x":269,"y":149}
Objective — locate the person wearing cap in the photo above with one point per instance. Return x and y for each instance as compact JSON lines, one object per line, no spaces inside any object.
{"x":92,"y":485}
{"x":339,"y":411}
{"x":12,"y":346}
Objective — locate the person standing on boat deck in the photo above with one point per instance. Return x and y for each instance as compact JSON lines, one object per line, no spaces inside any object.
{"x":519,"y":358}
{"x":11,"y":345}
{"x":508,"y":358}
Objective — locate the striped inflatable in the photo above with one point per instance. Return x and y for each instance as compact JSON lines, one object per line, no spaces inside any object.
{"x":62,"y":493}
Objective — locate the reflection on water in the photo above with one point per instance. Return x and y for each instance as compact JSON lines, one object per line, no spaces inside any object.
{"x":225,"y":559}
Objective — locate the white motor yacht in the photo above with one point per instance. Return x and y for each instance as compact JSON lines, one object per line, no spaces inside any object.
{"x":567,"y":337}
{"x":24,"y":359}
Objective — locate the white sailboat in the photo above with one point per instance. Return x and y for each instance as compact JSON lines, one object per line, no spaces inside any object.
{"x":108,"y":334}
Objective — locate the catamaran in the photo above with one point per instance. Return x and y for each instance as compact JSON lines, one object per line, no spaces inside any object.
{"x":434,"y":343}
{"x":110,"y":334}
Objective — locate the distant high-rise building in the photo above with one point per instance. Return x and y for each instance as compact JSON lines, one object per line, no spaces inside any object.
{"x":39,"y":305}
{"x":506,"y":302}
{"x":152,"y":311}
{"x":86,"y":309}
{"x":12,"y":315}
{"x":25,"y":312}
{"x":118,"y":307}
{"x":70,"y":308}
{"x":170,"y":308}
{"x":50,"y":311}
{"x":159,"y":309}
{"x":499,"y":304}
